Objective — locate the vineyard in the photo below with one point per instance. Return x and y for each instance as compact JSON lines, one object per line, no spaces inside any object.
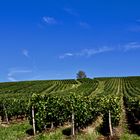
{"x":54,"y":103}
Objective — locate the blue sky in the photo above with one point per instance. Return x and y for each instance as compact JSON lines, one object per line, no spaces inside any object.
{"x":51,"y":39}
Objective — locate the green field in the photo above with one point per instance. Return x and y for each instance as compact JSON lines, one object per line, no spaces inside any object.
{"x":55,"y":101}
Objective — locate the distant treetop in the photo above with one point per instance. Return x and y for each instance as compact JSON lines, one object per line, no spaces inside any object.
{"x":81,"y":74}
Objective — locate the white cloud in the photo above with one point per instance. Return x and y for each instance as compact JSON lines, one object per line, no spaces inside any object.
{"x":49,"y":20}
{"x":138,"y":20}
{"x":12,"y":79}
{"x":69,"y":54}
{"x":131,"y":46}
{"x":71,"y":11}
{"x":90,"y":52}
{"x":65,"y":55}
{"x":25,"y":52}
{"x":84,"y":24}
{"x":87,"y":52}
{"x":13,"y":73}
{"x":135,"y":28}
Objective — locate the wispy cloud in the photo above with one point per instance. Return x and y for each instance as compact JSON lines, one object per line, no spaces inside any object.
{"x":49,"y":20}
{"x":84,"y":25}
{"x":87,"y":52}
{"x":135,"y":28}
{"x":25,"y":52}
{"x":138,"y":20}
{"x":131,"y":46}
{"x":13,"y":73}
{"x":71,"y":11}
{"x":91,"y":52}
{"x":66,"y":55}
{"x":12,"y":79}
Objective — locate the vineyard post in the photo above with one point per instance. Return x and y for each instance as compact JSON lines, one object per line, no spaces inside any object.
{"x":33,"y":120}
{"x":5,"y":114}
{"x":110,"y":125}
{"x":52,"y":125}
{"x":72,"y":125}
{"x":0,"y":119}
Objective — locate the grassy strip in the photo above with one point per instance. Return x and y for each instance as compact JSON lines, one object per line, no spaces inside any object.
{"x":88,"y":136}
{"x":18,"y":132}
{"x":14,"y":131}
{"x":57,"y":135}
{"x":129,"y":137}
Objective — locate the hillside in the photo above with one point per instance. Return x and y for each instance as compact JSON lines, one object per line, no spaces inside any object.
{"x":55,"y":101}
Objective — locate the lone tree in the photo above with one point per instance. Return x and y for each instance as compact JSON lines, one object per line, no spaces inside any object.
{"x":81,"y":74}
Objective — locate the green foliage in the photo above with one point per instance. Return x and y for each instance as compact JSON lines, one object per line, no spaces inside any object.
{"x":55,"y":101}
{"x":14,"y":106}
{"x":58,"y":109}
